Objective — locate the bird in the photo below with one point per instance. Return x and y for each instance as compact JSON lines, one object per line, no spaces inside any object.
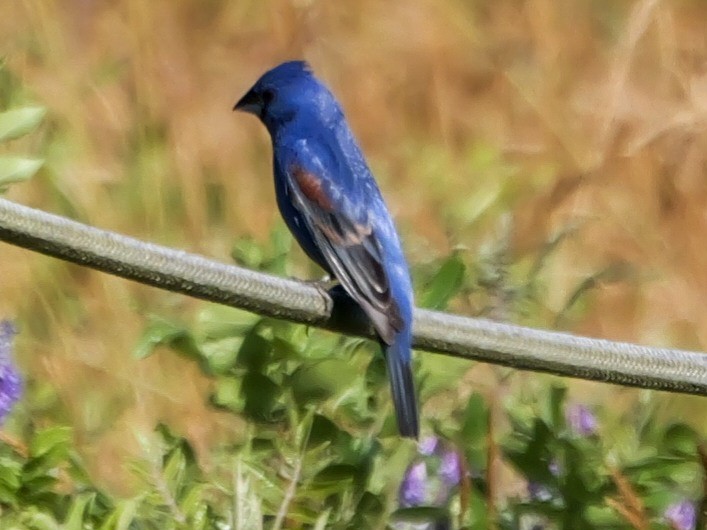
{"x":329,"y":200}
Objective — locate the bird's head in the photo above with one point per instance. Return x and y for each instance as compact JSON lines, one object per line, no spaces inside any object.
{"x":286,"y":91}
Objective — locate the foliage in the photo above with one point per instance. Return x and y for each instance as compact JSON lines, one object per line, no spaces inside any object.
{"x":15,"y":123}
{"x":44,"y":486}
{"x":327,"y":460}
{"x":319,"y":447}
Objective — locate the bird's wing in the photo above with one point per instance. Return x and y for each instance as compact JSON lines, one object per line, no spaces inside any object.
{"x":343,"y":229}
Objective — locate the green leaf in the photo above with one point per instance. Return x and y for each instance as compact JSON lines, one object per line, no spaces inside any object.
{"x":220,"y":355}
{"x":220,"y":322}
{"x":228,"y":394}
{"x":10,"y":473}
{"x":122,"y":516}
{"x":322,"y":380}
{"x":18,"y":122}
{"x":254,"y":352}
{"x":8,"y":497}
{"x":368,"y":511}
{"x":47,"y":449}
{"x":556,"y":406}
{"x":77,"y":511}
{"x":439,"y":373}
{"x":445,"y":283}
{"x":164,"y":333}
{"x":681,"y":439}
{"x":37,"y":481}
{"x":475,"y":426}
{"x":323,"y":431}
{"x":531,"y":450}
{"x":476,"y":514}
{"x":303,"y":515}
{"x":49,"y":440}
{"x":333,"y":478}
{"x":174,"y":471}
{"x":42,"y":521}
{"x":247,"y":252}
{"x":16,"y":169}
{"x":322,"y":520}
{"x":474,"y":431}
{"x":376,"y":374}
{"x":260,"y":394}
{"x":421,"y":514}
{"x":192,"y":501}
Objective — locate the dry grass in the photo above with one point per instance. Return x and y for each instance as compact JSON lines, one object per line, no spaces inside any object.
{"x":599,"y":107}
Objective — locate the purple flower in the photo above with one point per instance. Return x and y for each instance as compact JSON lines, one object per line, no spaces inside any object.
{"x":10,"y":382}
{"x":681,"y":515}
{"x":539,"y":492}
{"x":413,"y":490}
{"x":431,"y":478}
{"x":7,"y":331}
{"x":428,"y":445}
{"x":450,"y":468}
{"x":581,"y":420}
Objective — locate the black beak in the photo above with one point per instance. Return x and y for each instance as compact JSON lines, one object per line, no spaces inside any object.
{"x":251,"y":102}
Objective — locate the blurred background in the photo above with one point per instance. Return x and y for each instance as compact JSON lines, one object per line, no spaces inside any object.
{"x":557,"y":149}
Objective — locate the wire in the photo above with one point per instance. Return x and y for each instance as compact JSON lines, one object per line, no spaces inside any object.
{"x":472,"y":338}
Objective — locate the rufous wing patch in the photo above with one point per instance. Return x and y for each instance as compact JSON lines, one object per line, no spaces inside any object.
{"x":311,"y":187}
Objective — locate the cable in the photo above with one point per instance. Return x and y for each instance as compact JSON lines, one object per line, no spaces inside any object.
{"x":478,"y":339}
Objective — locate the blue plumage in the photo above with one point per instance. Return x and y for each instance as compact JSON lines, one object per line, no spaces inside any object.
{"x":331,"y":204}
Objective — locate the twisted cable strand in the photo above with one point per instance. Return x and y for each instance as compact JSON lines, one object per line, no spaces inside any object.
{"x":478,"y":339}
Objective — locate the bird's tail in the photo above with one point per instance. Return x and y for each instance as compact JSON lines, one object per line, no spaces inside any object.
{"x":397,"y":357}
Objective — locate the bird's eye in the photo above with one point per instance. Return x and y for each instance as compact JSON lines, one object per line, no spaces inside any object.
{"x":268,"y":96}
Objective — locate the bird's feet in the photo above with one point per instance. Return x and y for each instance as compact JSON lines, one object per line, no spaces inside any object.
{"x":324,"y":281}
{"x":323,"y":284}
{"x":326,"y":285}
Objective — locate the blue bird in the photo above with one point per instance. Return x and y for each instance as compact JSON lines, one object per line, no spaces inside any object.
{"x":333,"y":207}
